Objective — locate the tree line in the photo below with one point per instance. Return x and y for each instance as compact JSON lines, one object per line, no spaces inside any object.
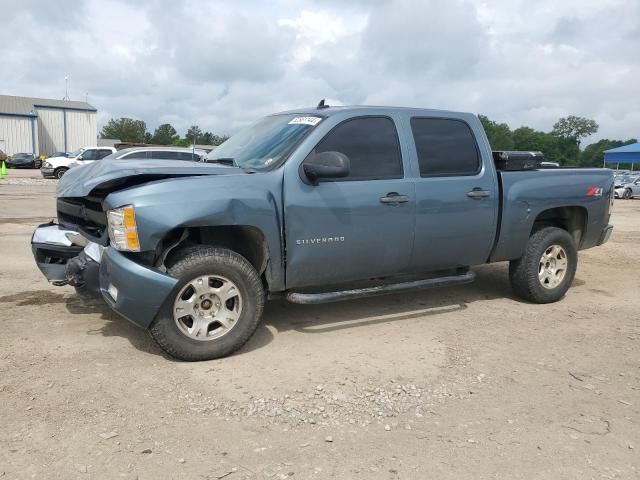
{"x":135,"y":131}
{"x":561,"y":144}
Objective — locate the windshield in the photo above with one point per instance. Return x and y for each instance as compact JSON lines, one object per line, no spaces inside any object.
{"x":76,"y":153}
{"x":264,"y":143}
{"x":21,"y":155}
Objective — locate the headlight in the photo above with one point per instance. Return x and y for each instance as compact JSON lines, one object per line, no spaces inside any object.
{"x":123,"y":231}
{"x":46,"y":165}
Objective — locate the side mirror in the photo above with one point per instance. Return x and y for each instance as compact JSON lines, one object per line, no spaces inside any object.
{"x":325,"y":165}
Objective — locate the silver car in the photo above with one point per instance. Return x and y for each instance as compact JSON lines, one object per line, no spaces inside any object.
{"x":627,"y":186}
{"x":159,"y":153}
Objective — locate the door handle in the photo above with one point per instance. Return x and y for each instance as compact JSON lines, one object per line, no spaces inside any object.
{"x":393,"y":198}
{"x":478,"y":193}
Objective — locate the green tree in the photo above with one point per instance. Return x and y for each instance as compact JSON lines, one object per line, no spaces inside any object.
{"x":181,"y":142}
{"x":528,"y":139}
{"x":593,"y":155}
{"x":574,"y":128}
{"x":165,"y":134}
{"x":206,"y":138}
{"x":148,"y":137}
{"x":499,"y":134}
{"x":193,"y":134}
{"x":219,"y":140}
{"x":570,"y":131}
{"x":125,"y":129}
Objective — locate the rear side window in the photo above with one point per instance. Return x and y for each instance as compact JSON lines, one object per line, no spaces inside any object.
{"x":103,"y":153}
{"x":188,"y":156}
{"x":445,"y":147}
{"x":372,"y":145}
{"x":139,"y":154}
{"x":165,"y":155}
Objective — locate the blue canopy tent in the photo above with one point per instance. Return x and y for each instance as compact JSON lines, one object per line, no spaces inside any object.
{"x":625,"y":154}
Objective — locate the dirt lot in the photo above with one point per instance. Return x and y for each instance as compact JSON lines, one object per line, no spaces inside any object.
{"x":464,"y":382}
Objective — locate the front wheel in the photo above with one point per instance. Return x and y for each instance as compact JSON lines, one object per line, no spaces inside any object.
{"x":59,"y":172}
{"x":215,"y":307}
{"x":546,"y":270}
{"x":627,"y":194}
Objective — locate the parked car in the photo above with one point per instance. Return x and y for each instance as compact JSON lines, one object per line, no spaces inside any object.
{"x":627,"y":187}
{"x":24,"y":160}
{"x":158,"y":153}
{"x":315,"y":205}
{"x":57,"y":166}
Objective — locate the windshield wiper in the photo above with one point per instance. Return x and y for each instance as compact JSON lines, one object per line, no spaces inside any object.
{"x":224,"y":161}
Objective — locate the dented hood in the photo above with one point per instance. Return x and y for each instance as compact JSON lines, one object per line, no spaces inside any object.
{"x":80,"y":181}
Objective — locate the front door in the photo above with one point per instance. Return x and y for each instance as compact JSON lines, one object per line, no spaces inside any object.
{"x":352,"y":228}
{"x":88,"y":156}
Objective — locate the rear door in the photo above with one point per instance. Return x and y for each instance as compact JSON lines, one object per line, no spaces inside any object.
{"x":456,"y":196}
{"x":352,"y":228}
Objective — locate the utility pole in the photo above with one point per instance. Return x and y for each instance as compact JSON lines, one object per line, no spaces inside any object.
{"x":66,"y":88}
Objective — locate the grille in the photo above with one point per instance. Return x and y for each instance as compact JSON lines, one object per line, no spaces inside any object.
{"x":85,"y":215}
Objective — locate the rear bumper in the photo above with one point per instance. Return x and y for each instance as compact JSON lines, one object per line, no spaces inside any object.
{"x":606,"y":234}
{"x":133,"y":290}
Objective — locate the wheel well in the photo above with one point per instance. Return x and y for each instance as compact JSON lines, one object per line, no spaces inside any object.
{"x":571,"y":219}
{"x":246,"y":240}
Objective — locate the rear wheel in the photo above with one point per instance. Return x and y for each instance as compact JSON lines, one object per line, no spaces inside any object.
{"x":59,"y":172}
{"x":215,"y":307}
{"x":546,"y":270}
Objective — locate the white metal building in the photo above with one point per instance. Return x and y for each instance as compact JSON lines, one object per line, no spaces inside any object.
{"x":43,"y":126}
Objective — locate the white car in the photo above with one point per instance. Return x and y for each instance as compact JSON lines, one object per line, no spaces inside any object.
{"x":57,"y":166}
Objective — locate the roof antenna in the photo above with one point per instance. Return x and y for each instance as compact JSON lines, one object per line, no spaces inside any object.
{"x":322,"y":105}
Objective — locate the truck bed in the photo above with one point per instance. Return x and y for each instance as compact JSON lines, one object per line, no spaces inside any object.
{"x":523,"y":200}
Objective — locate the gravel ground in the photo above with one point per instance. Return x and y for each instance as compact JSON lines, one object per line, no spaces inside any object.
{"x":457,"y":383}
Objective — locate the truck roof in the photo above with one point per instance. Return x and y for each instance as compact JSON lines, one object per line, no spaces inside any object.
{"x":364,"y":109}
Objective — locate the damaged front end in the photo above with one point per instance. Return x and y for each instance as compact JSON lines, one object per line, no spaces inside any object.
{"x":66,"y":257}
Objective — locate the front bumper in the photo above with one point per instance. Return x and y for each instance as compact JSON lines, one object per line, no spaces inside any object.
{"x":47,"y":171}
{"x":133,"y":290}
{"x":606,"y":234}
{"x":66,"y":258}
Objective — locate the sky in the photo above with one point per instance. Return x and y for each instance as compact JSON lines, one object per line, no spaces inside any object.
{"x":221,"y":65}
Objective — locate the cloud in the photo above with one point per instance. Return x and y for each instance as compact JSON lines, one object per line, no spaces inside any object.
{"x":222,"y":64}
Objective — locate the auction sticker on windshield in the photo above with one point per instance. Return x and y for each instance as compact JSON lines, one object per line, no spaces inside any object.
{"x":305,"y":121}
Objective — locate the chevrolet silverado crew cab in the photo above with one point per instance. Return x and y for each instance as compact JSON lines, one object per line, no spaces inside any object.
{"x":316,"y":205}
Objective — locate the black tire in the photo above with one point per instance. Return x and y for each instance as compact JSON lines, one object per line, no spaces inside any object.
{"x":59,"y":172}
{"x":523,"y":273}
{"x":197,"y":261}
{"x":627,"y":194}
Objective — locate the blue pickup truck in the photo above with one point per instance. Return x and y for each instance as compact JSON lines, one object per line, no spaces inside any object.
{"x":316,"y":205}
